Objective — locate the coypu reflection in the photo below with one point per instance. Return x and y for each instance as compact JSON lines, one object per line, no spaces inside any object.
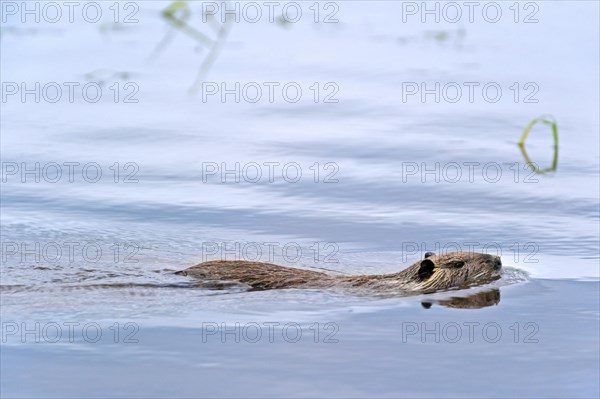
{"x":433,"y":273}
{"x":476,"y":301}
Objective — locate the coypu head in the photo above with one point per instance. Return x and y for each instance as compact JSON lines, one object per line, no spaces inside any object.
{"x":455,"y":270}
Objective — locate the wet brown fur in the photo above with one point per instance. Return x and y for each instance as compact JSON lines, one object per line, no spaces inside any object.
{"x":436,"y":272}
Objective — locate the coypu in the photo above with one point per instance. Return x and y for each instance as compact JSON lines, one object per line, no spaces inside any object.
{"x":433,"y":273}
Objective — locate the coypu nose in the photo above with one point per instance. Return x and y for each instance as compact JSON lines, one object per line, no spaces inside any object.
{"x":497,"y":263}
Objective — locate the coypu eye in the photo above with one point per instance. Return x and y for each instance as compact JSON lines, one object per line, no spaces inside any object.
{"x":426,"y":269}
{"x":456,"y":264}
{"x":428,"y":254}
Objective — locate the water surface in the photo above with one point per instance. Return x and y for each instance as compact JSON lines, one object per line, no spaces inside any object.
{"x":367,"y":211}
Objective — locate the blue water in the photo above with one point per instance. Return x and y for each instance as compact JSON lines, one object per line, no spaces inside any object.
{"x":77,"y":250}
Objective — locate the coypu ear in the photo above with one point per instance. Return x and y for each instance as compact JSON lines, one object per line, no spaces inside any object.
{"x":428,"y":254}
{"x":426,"y":269}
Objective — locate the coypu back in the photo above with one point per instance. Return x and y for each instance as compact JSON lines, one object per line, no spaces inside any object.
{"x":434,"y":273}
{"x":257,"y":275}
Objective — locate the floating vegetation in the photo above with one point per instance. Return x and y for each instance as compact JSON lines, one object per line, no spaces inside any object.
{"x":547,"y":120}
{"x":284,"y":23}
{"x":443,"y":36}
{"x":115,"y":27}
{"x":105,"y":76}
{"x":439,"y":36}
{"x":178,"y":14}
